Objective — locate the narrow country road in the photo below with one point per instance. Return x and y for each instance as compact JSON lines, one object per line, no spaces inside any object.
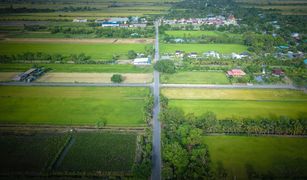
{"x":156,"y":152}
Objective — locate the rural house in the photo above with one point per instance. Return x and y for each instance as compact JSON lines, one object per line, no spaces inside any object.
{"x":212,"y":54}
{"x":141,"y":61}
{"x":277,"y":72}
{"x":80,"y":20}
{"x":192,"y":55}
{"x":236,"y":73}
{"x":179,"y":54}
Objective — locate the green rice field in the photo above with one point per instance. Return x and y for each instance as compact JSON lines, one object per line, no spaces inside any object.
{"x":116,"y":106}
{"x":31,"y":153}
{"x":98,"y":68}
{"x":272,"y":156}
{"x":227,"y":103}
{"x":94,"y":152}
{"x":201,"y":48}
{"x":195,"y":34}
{"x":96,"y":51}
{"x":195,"y":78}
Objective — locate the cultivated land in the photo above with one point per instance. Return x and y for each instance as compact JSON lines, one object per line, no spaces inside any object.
{"x":195,"y":78}
{"x":94,"y":77}
{"x":72,"y":105}
{"x":195,"y":34}
{"x":94,"y":152}
{"x":99,"y":51}
{"x":201,"y":48}
{"x":238,"y":103}
{"x":7,"y":76}
{"x":32,"y":153}
{"x":281,"y":156}
{"x":71,"y":40}
{"x":95,"y":68}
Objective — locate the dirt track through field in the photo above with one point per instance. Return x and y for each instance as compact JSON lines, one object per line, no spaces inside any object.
{"x":94,"y":77}
{"x":7,"y":76}
{"x":72,"y":40}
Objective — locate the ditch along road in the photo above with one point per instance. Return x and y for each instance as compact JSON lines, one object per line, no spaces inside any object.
{"x":156,"y":141}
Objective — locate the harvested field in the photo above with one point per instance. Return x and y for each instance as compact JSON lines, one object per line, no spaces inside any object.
{"x":68,"y":40}
{"x":94,"y":77}
{"x":7,"y":76}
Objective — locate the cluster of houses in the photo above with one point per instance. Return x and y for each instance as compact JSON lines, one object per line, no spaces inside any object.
{"x":30,"y":75}
{"x":209,"y":54}
{"x":123,"y":22}
{"x":209,"y":20}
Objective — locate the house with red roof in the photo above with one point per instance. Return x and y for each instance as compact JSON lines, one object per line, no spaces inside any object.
{"x":236,"y":73}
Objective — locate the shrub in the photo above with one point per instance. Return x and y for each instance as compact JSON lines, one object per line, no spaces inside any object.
{"x":165,"y":66}
{"x":117,"y":78}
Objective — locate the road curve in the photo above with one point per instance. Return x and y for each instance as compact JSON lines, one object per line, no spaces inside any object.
{"x":156,"y":141}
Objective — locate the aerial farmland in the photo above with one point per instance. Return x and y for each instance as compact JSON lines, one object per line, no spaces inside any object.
{"x":153,"y":89}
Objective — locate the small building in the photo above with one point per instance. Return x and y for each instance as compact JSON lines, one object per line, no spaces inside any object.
{"x":119,"y":20}
{"x":278,"y":72}
{"x":141,"y":61}
{"x":178,"y":40}
{"x":305,"y":61}
{"x":80,"y":20}
{"x":238,"y":56}
{"x":138,"y":25}
{"x":179,"y":54}
{"x":192,"y":55}
{"x":236,"y":73}
{"x":110,"y":24}
{"x":212,"y":54}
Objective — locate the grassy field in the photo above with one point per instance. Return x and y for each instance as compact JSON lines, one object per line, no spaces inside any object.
{"x":28,"y":153}
{"x":101,"y":152}
{"x":238,"y":103}
{"x":281,"y":156}
{"x":195,"y":34}
{"x":72,"y":105}
{"x":242,"y":109}
{"x":97,"y":68}
{"x":201,"y":48}
{"x":195,"y":78}
{"x":235,"y":94}
{"x":96,"y":51}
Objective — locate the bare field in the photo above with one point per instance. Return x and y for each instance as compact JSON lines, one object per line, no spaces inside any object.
{"x":69,"y":40}
{"x":94,"y":77}
{"x":7,"y":76}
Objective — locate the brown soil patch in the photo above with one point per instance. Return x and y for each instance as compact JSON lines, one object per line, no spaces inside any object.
{"x":7,"y":76}
{"x":94,"y":77}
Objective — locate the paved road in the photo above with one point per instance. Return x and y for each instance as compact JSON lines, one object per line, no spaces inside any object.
{"x":229,"y":86}
{"x":156,"y":152}
{"x":76,"y":84}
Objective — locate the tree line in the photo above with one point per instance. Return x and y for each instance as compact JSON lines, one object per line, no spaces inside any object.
{"x":105,"y":32}
{"x":11,"y":9}
{"x":142,"y":166}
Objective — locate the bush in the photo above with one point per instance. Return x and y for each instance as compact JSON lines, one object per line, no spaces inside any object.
{"x":165,"y":66}
{"x":117,"y":78}
{"x":132,"y":54}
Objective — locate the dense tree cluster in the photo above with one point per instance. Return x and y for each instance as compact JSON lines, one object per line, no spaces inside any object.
{"x":185,"y":156}
{"x":165,"y":66}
